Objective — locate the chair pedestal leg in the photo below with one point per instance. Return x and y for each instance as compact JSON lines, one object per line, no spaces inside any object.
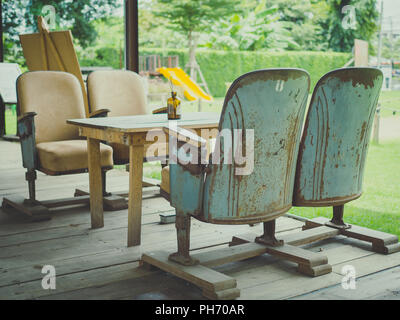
{"x":337,"y":220}
{"x":31,"y":176}
{"x":104,"y":181}
{"x":268,"y":238}
{"x":182,"y":256}
{"x":111,"y":202}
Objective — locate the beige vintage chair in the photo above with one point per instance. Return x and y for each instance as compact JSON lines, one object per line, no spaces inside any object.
{"x":46,"y":99}
{"x":122,"y":92}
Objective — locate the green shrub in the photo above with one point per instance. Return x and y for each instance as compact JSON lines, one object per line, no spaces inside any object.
{"x":219,"y":67}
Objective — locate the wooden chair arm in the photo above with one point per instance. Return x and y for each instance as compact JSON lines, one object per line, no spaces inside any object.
{"x":26,"y":125}
{"x":101,"y":113}
{"x":160,"y":110}
{"x":26,"y":116}
{"x":186,"y":136}
{"x":26,"y":133}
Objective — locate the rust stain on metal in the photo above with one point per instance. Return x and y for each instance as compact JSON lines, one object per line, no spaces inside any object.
{"x":262,"y":195}
{"x":273,"y":75}
{"x":313,"y":184}
{"x":367,"y":78}
{"x":363,"y":129}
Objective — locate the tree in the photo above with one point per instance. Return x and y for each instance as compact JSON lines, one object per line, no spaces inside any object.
{"x":252,"y":30}
{"x":340,"y":37}
{"x":20,"y":16}
{"x":390,"y":48}
{"x":13,"y":17}
{"x":108,"y":49}
{"x":302,"y":19}
{"x":193,"y":17}
{"x":76,"y":15}
{"x":153,"y":31}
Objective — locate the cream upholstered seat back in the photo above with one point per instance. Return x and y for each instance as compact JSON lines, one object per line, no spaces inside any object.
{"x":121,"y":91}
{"x":55,"y":97}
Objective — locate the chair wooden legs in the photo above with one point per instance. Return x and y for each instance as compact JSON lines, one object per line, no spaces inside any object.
{"x":39,"y":210}
{"x":216,"y":285}
{"x":36,"y":211}
{"x":310,"y":263}
{"x":31,"y":207}
{"x":111,"y":202}
{"x":182,"y":256}
{"x":382,"y":242}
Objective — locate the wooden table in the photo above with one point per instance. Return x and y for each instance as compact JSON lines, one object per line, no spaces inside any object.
{"x":130,"y":131}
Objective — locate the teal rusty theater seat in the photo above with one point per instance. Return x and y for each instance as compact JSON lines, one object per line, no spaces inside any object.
{"x":334,"y":146}
{"x":270,"y":105}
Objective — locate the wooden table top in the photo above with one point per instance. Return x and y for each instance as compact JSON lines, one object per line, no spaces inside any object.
{"x":144,"y":123}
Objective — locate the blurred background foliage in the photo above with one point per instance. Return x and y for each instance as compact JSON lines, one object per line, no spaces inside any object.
{"x":232,"y":36}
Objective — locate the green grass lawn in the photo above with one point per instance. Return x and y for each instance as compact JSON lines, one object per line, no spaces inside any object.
{"x":390,"y":101}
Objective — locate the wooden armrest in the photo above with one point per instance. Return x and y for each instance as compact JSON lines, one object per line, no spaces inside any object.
{"x":10,"y":102}
{"x":26,"y":133}
{"x":160,"y":110}
{"x":28,"y":115}
{"x":26,"y":125}
{"x":101,"y":113}
{"x":186,"y":136}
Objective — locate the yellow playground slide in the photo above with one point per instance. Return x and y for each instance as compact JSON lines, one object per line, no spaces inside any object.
{"x":192,"y":90}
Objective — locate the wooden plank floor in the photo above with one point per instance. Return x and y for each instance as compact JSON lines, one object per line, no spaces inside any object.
{"x":96,"y":264}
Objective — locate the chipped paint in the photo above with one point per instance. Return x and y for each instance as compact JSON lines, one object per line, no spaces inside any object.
{"x":336,"y":137}
{"x":217,"y":194}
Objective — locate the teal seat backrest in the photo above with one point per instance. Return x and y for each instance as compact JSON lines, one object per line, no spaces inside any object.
{"x":269,"y":106}
{"x":336,"y":137}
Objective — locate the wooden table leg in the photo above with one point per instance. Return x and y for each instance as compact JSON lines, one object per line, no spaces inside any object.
{"x":95,"y":183}
{"x":136,"y":154}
